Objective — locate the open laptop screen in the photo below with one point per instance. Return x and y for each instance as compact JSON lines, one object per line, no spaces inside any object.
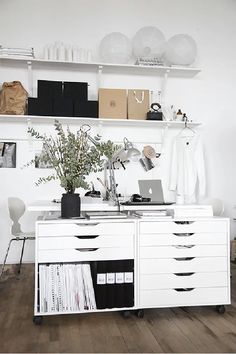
{"x":151,"y":188}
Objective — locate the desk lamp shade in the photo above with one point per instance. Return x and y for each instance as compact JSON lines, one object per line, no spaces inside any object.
{"x":115,"y":48}
{"x":149,"y":43}
{"x":131,"y":152}
{"x":181,"y":49}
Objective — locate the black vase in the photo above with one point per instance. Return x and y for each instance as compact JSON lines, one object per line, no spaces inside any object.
{"x":70,"y":205}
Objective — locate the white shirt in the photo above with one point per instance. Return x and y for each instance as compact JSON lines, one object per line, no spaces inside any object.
{"x":187,"y":167}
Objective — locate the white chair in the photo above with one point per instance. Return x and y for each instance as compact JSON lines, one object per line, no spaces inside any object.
{"x":16,"y":209}
{"x":217,"y":205}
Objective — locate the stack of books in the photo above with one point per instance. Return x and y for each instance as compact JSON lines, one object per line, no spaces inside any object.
{"x":20,"y":53}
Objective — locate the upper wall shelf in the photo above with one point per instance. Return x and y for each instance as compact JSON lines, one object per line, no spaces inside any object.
{"x":105,"y":67}
{"x":94,"y":121}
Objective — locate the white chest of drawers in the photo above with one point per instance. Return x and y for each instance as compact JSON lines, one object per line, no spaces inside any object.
{"x":183,"y":263}
{"x":76,"y":242}
{"x":175,"y":263}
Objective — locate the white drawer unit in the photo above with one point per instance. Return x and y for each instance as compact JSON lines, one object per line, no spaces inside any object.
{"x":78,"y":255}
{"x":85,"y":254}
{"x":85,"y":228}
{"x":152,"y":227}
{"x":89,"y":241}
{"x":183,"y":263}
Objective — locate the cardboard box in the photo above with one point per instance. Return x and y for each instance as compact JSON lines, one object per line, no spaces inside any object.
{"x":138,"y":104}
{"x":112,"y":103}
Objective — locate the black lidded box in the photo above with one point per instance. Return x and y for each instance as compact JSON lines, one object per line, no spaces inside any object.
{"x":50,"y":89}
{"x":40,"y":107}
{"x":63,"y":107}
{"x":76,"y":90}
{"x":86,"y":109}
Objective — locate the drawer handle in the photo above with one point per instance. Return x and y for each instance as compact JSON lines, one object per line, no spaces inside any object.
{"x":184,"y":222}
{"x":183,"y":274}
{"x":184,"y":258}
{"x":183,"y":246}
{"x":183,"y":234}
{"x":184,"y":289}
{"x":86,"y":249}
{"x":86,"y":236}
{"x":88,"y":224}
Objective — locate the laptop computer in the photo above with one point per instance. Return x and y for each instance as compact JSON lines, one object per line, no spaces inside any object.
{"x":150,"y":188}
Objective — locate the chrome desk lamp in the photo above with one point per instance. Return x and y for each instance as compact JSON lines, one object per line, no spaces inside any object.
{"x":127,"y":152}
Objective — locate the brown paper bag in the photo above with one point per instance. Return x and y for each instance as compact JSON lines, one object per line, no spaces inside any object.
{"x":112,"y":103}
{"x":13,"y":98}
{"x":138,"y":104}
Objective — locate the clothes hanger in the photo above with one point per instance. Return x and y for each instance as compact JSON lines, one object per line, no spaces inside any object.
{"x":186,"y":128}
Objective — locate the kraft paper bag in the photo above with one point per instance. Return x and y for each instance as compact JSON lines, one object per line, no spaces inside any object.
{"x":13,"y":98}
{"x":138,"y":104}
{"x":112,"y":103}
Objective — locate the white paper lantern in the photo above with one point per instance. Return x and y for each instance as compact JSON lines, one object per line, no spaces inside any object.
{"x":149,"y":43}
{"x":115,"y":48}
{"x":181,"y":50}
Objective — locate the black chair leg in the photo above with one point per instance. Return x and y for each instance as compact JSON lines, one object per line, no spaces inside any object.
{"x":5,"y":259}
{"x":21,"y":256}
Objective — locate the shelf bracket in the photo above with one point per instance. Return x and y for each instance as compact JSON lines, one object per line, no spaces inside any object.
{"x":100,"y":69}
{"x":164,"y":85}
{"x":30,"y":138}
{"x":30,"y":77}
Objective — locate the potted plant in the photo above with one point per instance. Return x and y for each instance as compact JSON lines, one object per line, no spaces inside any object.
{"x":73,"y":157}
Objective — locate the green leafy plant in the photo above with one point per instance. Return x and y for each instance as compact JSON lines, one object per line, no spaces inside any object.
{"x":72,"y":156}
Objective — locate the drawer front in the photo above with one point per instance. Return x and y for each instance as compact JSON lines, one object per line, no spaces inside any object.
{"x":150,"y":227}
{"x":184,"y":251}
{"x":97,"y":241}
{"x":183,"y":239}
{"x":95,"y":228}
{"x":183,"y":280}
{"x":79,"y":255}
{"x":171,"y":297}
{"x":178,"y":265}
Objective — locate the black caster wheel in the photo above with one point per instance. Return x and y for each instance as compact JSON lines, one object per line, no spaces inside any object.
{"x":140,"y":313}
{"x":126,"y":314}
{"x":38,"y":320}
{"x":220,"y":309}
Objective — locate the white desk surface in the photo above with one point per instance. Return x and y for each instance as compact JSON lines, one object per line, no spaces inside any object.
{"x":96,"y":204}
{"x":87,"y":204}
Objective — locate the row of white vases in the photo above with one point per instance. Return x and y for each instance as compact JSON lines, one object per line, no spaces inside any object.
{"x":61,"y":52}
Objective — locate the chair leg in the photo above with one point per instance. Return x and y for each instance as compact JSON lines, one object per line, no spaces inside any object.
{"x":21,"y":256}
{"x":5,"y":259}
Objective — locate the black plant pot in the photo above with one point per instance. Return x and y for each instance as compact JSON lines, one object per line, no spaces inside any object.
{"x":70,"y":205}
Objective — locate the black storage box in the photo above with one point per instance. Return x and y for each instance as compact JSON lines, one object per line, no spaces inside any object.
{"x":86,"y":109}
{"x":49,"y":89}
{"x":76,"y":90}
{"x":40,"y":107}
{"x":63,"y":107}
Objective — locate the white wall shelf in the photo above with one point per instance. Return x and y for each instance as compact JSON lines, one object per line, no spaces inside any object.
{"x":105,"y":67}
{"x":93,"y":121}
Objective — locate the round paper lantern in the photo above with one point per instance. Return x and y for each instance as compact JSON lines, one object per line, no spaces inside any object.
{"x":149,"y":43}
{"x":181,"y":50}
{"x":115,"y":48}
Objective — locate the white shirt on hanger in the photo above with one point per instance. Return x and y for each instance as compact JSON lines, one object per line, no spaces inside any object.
{"x":187,"y":167}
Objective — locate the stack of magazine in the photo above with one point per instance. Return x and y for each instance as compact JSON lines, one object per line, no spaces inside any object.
{"x":152,"y":213}
{"x":65,"y":287}
{"x":20,"y":53}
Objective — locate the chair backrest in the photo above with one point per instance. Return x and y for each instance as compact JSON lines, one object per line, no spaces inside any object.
{"x":16,"y":209}
{"x":217,"y":205}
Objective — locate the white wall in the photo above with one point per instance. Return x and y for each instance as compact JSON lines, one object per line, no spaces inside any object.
{"x":209,"y":97}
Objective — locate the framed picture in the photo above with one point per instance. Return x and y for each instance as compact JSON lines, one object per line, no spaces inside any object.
{"x":7,"y":155}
